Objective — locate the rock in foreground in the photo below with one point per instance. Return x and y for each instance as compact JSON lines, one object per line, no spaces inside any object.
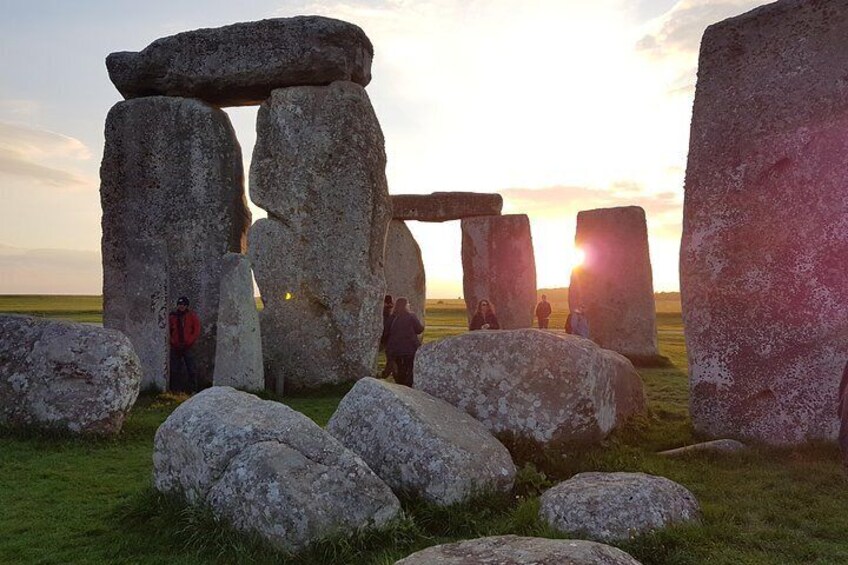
{"x":241,"y":64}
{"x":56,"y":374}
{"x":617,"y":506}
{"x":445,"y":206}
{"x":421,"y":445}
{"x":544,"y":385}
{"x":515,"y":550}
{"x":267,"y":470}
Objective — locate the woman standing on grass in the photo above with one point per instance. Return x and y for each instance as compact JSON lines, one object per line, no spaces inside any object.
{"x":484,"y":318}
{"x":402,"y":340}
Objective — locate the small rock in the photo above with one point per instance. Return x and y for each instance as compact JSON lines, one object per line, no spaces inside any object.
{"x":445,"y":206}
{"x":715,"y":446}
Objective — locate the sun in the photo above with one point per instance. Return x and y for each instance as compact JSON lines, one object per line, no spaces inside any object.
{"x":574,"y":258}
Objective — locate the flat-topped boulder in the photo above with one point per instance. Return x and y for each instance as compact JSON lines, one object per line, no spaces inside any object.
{"x":445,"y":206}
{"x":516,"y":550}
{"x":421,"y":445}
{"x":267,"y":469}
{"x":405,"y":274}
{"x":240,"y":64}
{"x":547,"y":386}
{"x":61,"y":375}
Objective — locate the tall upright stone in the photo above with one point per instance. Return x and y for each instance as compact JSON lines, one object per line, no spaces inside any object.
{"x":319,"y":170}
{"x":172,"y":173}
{"x":615,"y":284}
{"x":404,"y":267}
{"x":765,"y":226}
{"x":498,"y":264}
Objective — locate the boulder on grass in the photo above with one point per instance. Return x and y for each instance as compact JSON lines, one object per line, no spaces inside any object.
{"x":516,"y":550}
{"x":67,"y":376}
{"x":715,"y":446}
{"x":547,"y":386}
{"x":421,"y":445}
{"x":267,"y":469}
{"x":617,"y":506}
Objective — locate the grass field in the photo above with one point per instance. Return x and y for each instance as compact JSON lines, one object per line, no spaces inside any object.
{"x":73,"y":501}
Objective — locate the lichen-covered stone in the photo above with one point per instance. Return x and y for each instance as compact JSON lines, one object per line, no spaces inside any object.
{"x":765,"y":229}
{"x":548,"y":386}
{"x":498,"y":264}
{"x":445,"y":206}
{"x":238,"y":352}
{"x":715,"y":446}
{"x":62,"y":375}
{"x":171,"y":173}
{"x":241,"y":64}
{"x":267,"y":469}
{"x":615,"y":284}
{"x":405,"y":268}
{"x":617,"y":506}
{"x":421,"y":445}
{"x":319,"y":170}
{"x":515,"y":550}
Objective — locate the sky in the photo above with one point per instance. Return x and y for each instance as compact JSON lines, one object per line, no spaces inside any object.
{"x":558,"y":105}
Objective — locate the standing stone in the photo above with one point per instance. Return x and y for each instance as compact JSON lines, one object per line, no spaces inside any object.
{"x":238,"y":352}
{"x":241,"y":64}
{"x":445,"y":206}
{"x":404,"y":268}
{"x":319,"y":170}
{"x":615,"y":283}
{"x":498,"y":264}
{"x":172,"y":173}
{"x":765,"y":227}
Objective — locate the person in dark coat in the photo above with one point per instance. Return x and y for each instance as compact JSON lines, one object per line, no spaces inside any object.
{"x":184,"y":326}
{"x":484,"y":318}
{"x":390,"y":368}
{"x":843,"y":417}
{"x":402,"y":340}
{"x":543,"y":312}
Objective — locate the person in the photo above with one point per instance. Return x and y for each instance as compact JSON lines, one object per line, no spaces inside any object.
{"x":577,"y":323}
{"x":402,"y":340}
{"x":484,"y":318}
{"x":543,"y":312}
{"x":390,"y":368}
{"x":184,"y":328}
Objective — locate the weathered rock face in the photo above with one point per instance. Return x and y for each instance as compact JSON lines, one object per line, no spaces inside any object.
{"x":545,"y":385}
{"x":267,"y":469}
{"x":405,"y":268}
{"x":498,"y":264}
{"x":617,"y":506}
{"x":515,"y":550}
{"x":765,"y":234}
{"x":615,"y":283}
{"x":419,"y":444}
{"x":238,"y":352}
{"x":56,"y":374}
{"x":241,"y":64}
{"x":171,"y":173}
{"x":319,"y":170}
{"x":445,"y":206}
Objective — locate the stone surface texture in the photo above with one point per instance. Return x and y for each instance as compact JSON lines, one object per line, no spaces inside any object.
{"x":516,"y":550}
{"x":445,"y":206}
{"x":715,"y":446}
{"x":171,"y":173}
{"x":421,"y":445}
{"x":617,"y":506}
{"x":267,"y":469}
{"x":548,"y":386}
{"x":319,"y":170}
{"x":67,"y":376}
{"x":615,"y":283}
{"x":241,"y":64}
{"x":238,"y":351}
{"x":498,"y":264}
{"x":765,"y":227}
{"x":405,"y":268}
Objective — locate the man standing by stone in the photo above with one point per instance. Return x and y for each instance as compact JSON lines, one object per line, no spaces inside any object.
{"x":543,"y":312}
{"x":185,"y":328}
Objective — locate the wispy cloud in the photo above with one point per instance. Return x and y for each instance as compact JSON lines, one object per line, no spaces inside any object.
{"x":567,"y":200}
{"x":49,"y":271}
{"x":43,"y":157}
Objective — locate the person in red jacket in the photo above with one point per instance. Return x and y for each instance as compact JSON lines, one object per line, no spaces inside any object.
{"x":185,"y":329}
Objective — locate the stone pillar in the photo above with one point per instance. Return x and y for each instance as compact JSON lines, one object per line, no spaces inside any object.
{"x":319,"y":170}
{"x":765,"y":226}
{"x":172,"y":172}
{"x":404,"y":268}
{"x":238,"y":352}
{"x":498,"y":264}
{"x":615,"y":283}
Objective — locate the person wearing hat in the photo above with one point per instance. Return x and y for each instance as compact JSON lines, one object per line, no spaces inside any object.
{"x":184,"y":327}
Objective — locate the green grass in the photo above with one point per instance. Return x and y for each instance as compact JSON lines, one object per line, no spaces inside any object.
{"x":66,"y":500}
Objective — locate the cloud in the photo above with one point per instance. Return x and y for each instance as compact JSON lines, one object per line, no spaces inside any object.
{"x":42,"y":156}
{"x":49,"y":271}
